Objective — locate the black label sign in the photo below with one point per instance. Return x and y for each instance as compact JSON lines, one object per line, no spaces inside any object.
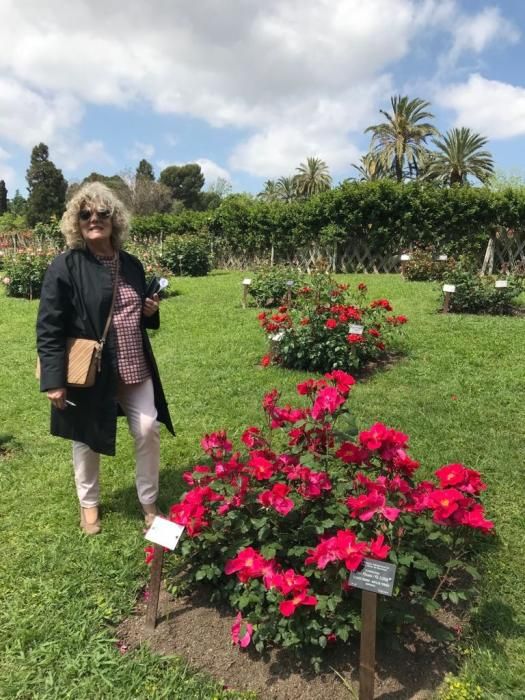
{"x":375,"y":576}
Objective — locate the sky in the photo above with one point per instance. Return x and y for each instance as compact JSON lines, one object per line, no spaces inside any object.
{"x":245,"y":88}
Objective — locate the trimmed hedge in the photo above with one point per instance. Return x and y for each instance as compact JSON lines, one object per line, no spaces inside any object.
{"x":386,"y":215}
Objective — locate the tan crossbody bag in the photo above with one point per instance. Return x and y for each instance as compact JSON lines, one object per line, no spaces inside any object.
{"x":84,"y":356}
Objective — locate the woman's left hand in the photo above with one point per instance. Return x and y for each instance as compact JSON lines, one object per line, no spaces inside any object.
{"x":151,"y":306}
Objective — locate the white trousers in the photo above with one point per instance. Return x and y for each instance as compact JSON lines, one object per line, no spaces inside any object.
{"x":137,"y":402}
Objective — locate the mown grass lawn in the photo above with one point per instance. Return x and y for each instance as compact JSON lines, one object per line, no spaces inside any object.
{"x":458,"y":394}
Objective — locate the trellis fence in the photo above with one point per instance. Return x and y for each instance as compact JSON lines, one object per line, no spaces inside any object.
{"x":350,"y":258}
{"x":504,"y":252}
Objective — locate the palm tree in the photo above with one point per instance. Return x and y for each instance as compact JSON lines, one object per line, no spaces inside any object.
{"x":371,"y":168}
{"x":402,"y":137}
{"x":312,"y":177}
{"x":459,"y":154}
{"x":287,"y":188}
{"x":270,"y":192}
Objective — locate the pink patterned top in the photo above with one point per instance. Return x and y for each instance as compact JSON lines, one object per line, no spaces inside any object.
{"x":126,"y":324}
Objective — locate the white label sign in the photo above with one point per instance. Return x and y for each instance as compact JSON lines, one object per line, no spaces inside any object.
{"x":501,"y":284}
{"x":290,"y":283}
{"x":356,"y":330}
{"x":277,"y":336}
{"x":247,"y":281}
{"x":449,"y":287}
{"x":164,"y":532}
{"x":405,"y":257}
{"x":442,"y":257}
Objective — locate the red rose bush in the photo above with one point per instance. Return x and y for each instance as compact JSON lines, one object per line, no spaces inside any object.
{"x":328,"y":327}
{"x":275,"y":529}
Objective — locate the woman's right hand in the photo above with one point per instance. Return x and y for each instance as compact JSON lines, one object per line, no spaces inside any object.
{"x":57,"y":398}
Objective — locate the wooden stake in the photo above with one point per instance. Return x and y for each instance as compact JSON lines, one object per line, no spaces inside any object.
{"x":446,"y":303}
{"x":154,"y":587}
{"x":367,"y":659}
{"x":244,"y":296}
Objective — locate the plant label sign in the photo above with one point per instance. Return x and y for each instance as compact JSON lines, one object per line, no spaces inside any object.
{"x":247,"y":281}
{"x":501,"y":284}
{"x":276,"y":337}
{"x":376,"y":576}
{"x":451,"y":288}
{"x":442,"y":258}
{"x":405,"y":257}
{"x":290,"y":283}
{"x":356,"y":329}
{"x":165,"y":533}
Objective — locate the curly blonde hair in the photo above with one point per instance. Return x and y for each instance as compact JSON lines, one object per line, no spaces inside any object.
{"x":94,"y":194}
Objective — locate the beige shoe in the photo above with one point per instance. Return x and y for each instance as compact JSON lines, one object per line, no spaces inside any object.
{"x":90,"y":528}
{"x":150,"y":513}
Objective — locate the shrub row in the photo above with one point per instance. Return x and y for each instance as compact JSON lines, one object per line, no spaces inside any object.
{"x":387,"y":216}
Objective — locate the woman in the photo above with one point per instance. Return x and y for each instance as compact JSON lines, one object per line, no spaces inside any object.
{"x":76,"y":301}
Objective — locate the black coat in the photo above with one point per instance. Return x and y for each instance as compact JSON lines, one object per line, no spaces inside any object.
{"x":75,"y":302}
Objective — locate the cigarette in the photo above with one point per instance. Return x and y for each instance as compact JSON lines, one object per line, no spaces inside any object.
{"x":71,"y":403}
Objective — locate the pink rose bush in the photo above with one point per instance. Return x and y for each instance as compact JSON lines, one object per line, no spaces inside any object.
{"x":276,"y":528}
{"x":329,"y":327}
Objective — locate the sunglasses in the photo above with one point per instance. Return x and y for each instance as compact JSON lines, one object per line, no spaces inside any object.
{"x":86,"y":214}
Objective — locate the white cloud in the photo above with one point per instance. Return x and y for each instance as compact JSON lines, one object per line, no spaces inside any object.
{"x":493,"y":108}
{"x":7,"y":173}
{"x":298,"y":76}
{"x":212,"y":170}
{"x":27,"y":117}
{"x":476,"y":32}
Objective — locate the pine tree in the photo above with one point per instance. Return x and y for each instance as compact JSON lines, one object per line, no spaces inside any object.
{"x":3,"y":198}
{"x":46,"y":186}
{"x":185,"y":183}
{"x":145,"y":171}
{"x":18,"y":205}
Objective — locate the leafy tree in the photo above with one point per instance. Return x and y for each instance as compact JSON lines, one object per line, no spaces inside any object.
{"x":312,"y":177}
{"x":214,"y":195}
{"x":401,"y":139}
{"x":46,"y":186}
{"x":371,"y":168}
{"x":270,"y":193}
{"x":460,"y":154}
{"x":185,"y":183}
{"x":146,"y":196}
{"x":287,"y":188}
{"x":145,"y":171}
{"x":3,"y":197}
{"x":12,"y":222}
{"x":221,"y":186}
{"x":17,"y":205}
{"x":114,"y":182}
{"x":209,"y":200}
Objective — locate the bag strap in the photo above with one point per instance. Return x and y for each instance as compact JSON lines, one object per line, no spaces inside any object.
{"x":110,"y":315}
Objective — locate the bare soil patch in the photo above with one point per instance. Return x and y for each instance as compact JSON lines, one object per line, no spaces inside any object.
{"x":199,"y":632}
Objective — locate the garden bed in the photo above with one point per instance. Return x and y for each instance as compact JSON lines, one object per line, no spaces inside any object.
{"x":199,"y":632}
